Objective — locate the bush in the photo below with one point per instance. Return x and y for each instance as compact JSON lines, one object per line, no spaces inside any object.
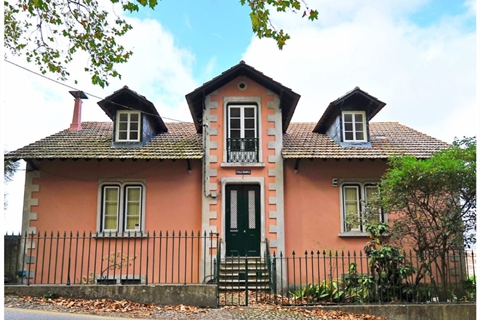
{"x":470,"y":287}
{"x":354,"y":288}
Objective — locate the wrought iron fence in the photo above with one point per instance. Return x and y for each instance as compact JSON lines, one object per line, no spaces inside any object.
{"x":11,"y":255}
{"x":346,"y":278}
{"x":353,"y":277}
{"x":112,"y":258}
{"x":321,"y":277}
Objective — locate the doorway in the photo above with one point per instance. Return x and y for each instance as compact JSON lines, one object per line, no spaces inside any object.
{"x":242,"y":208}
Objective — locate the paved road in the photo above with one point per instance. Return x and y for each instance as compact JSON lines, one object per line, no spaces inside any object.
{"x":212,"y":314}
{"x":25,"y":314}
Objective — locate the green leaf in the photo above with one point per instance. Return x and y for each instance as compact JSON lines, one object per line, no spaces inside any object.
{"x":84,"y":26}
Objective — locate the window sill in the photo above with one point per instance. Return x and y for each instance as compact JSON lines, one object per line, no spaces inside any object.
{"x":131,"y":234}
{"x":360,"y":234}
{"x":356,"y":144}
{"x":356,"y":234}
{"x":242,"y":164}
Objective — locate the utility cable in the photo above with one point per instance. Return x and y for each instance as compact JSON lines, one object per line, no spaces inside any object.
{"x":89,"y":94}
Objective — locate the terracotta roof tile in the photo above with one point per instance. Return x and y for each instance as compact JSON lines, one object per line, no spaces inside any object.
{"x":94,"y":141}
{"x":387,"y":139}
{"x":181,"y":141}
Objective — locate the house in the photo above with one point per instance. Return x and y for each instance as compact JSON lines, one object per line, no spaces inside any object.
{"x":241,"y":168}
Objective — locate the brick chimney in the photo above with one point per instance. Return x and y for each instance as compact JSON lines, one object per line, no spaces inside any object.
{"x":77,"y":110}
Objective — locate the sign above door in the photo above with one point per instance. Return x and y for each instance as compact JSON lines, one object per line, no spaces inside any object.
{"x":243,"y":171}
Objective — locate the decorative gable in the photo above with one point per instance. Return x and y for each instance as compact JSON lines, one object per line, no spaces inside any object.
{"x":136,"y":120}
{"x":196,"y":98}
{"x":346,"y":120}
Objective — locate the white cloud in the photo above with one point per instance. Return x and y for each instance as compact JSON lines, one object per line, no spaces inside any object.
{"x":207,"y":72}
{"x":187,"y":22}
{"x":471,"y":6}
{"x":34,"y":107}
{"x":425,"y":75}
{"x":333,"y":13}
{"x":158,"y":70}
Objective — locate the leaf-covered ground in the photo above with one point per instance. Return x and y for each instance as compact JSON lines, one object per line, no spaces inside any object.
{"x":128,"y":309}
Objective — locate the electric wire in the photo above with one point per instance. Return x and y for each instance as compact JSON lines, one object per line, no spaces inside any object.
{"x":90,"y":94}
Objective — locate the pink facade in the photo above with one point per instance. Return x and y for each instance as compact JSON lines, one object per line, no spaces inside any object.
{"x":221,"y":173}
{"x":313,"y":204}
{"x":68,"y":194}
{"x":241,"y":171}
{"x":64,"y":232}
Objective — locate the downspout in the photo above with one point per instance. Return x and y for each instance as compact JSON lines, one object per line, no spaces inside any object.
{"x":205,"y":130}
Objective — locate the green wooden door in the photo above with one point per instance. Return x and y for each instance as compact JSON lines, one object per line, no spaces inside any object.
{"x":242,"y":220}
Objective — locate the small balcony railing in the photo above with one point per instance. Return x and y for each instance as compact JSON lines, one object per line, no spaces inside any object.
{"x":242,"y":149}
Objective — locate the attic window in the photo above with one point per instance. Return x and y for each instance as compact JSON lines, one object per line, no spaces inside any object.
{"x":354,"y":126}
{"x":128,"y":126}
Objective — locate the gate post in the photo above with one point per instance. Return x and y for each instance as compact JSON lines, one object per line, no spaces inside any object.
{"x":246,"y":279}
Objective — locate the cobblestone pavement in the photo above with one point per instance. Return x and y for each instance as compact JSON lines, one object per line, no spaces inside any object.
{"x":126,"y":309}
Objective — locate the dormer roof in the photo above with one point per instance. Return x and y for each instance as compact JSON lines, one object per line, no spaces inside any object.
{"x":127,"y":99}
{"x":196,"y":98}
{"x":354,"y":100}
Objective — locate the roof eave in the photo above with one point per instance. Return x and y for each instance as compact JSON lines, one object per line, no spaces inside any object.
{"x":196,"y":98}
{"x":26,"y":158}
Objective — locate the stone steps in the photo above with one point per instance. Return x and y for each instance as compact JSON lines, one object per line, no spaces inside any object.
{"x":235,"y":271}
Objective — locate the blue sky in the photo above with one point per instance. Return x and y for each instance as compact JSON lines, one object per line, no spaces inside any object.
{"x":418,"y":56}
{"x":217,"y":31}
{"x":432,"y":11}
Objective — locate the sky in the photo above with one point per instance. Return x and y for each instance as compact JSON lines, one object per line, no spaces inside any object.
{"x":417,"y":56}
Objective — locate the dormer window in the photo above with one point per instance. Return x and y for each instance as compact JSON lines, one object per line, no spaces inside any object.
{"x":128,"y":126}
{"x":354,"y":126}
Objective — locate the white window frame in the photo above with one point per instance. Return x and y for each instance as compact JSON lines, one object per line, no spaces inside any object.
{"x":122,"y":187}
{"x":355,"y":128}
{"x":242,"y":118}
{"x":361,"y":190}
{"x":129,"y":114}
{"x":103,"y":205}
{"x":245,"y":100}
{"x":357,"y":189}
{"x":243,"y":105}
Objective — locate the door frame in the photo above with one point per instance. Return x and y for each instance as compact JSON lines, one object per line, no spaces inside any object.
{"x":244,"y":180}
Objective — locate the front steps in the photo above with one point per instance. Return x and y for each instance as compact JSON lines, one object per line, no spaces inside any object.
{"x":233,"y":274}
